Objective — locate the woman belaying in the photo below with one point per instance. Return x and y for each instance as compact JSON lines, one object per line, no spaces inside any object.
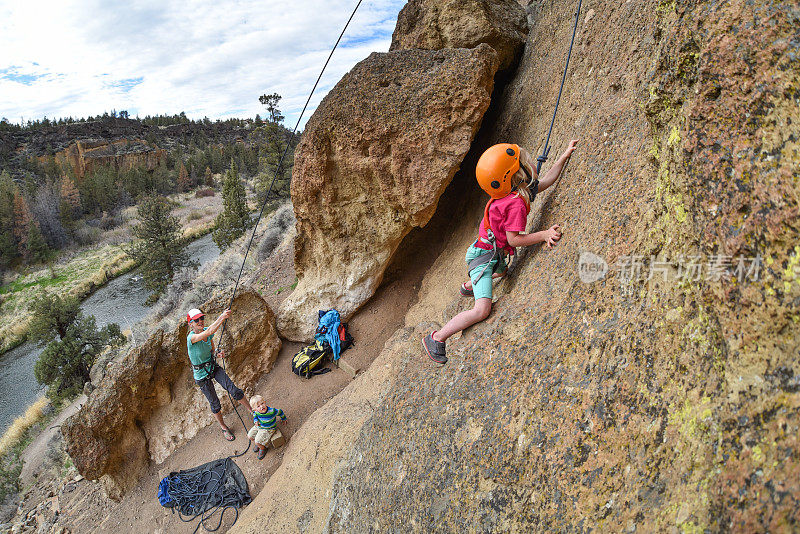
{"x":200,"y":345}
{"x":501,"y":172}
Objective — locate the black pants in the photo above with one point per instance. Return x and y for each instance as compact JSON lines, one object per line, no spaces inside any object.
{"x":207,"y":387}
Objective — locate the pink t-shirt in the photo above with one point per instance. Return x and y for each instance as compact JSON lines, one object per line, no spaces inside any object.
{"x":506,"y":214}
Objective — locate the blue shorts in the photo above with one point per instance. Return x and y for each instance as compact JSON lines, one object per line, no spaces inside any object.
{"x":482,"y":287}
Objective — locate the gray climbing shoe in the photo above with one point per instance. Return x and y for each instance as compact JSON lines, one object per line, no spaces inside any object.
{"x":435,"y":349}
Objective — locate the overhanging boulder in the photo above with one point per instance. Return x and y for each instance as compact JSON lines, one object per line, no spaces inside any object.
{"x":437,"y":24}
{"x":375,"y":158}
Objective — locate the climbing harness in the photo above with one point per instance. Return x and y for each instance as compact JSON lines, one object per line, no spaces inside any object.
{"x":212,"y":492}
{"x":209,"y":367}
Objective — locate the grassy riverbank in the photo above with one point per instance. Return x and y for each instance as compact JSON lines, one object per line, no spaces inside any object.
{"x":80,"y":276}
{"x":81,"y":273}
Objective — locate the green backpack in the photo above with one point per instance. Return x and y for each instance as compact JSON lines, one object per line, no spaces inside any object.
{"x":308,"y":361}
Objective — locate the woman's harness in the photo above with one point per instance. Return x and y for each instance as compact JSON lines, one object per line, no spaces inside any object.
{"x":209,"y":367}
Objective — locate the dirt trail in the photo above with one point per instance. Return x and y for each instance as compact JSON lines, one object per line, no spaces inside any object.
{"x":35,"y":453}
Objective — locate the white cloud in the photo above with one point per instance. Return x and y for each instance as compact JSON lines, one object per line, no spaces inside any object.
{"x":204,"y":57}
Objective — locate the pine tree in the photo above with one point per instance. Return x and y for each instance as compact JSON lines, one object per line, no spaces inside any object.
{"x":208,"y":177}
{"x":160,"y":250}
{"x":37,"y":246}
{"x":73,"y":343}
{"x":235,"y":217}
{"x":184,"y":184}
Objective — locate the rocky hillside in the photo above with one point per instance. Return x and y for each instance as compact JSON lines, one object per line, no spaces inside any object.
{"x":51,"y":139}
{"x":663,"y":395}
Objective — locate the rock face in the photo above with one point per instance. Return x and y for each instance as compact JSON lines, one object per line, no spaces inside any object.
{"x":148,"y":403}
{"x":438,"y":24}
{"x":632,"y":403}
{"x":374,"y":159}
{"x":86,"y":155}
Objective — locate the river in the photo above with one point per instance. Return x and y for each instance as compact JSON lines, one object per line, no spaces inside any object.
{"x":120,"y":301}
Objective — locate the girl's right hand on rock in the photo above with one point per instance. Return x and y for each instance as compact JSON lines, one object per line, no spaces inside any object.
{"x":552,"y":235}
{"x":225,"y":314}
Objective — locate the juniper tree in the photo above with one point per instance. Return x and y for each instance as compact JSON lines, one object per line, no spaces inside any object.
{"x":37,"y":246}
{"x":161,"y":251}
{"x":72,"y":344}
{"x":8,"y":241}
{"x":184,"y":183}
{"x":235,"y":217}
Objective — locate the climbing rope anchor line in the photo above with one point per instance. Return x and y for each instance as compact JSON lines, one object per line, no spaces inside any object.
{"x":198,"y":487}
{"x":266,"y":198}
{"x":546,"y":150}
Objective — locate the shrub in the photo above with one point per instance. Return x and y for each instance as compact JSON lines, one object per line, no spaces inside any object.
{"x":277,"y":227}
{"x":204,"y":192}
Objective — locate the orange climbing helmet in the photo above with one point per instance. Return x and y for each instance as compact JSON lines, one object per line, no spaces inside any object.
{"x":496,"y":166}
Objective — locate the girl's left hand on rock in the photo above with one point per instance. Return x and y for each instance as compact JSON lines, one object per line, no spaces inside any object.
{"x":571,"y":148}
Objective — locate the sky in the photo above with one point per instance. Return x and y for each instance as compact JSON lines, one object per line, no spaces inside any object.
{"x":207,"y":58}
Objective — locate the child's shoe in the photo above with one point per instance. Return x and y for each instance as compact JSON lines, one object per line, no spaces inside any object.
{"x":435,"y":349}
{"x":466,"y":292}
{"x":261,"y":453}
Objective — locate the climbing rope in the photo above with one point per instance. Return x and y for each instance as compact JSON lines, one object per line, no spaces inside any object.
{"x":194,"y":492}
{"x":269,"y":190}
{"x":204,"y":491}
{"x":546,"y":150}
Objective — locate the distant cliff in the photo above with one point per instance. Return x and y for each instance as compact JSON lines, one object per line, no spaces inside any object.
{"x":121,"y":142}
{"x":86,"y":155}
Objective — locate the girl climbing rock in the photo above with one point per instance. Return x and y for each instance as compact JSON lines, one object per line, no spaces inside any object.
{"x":501,"y":172}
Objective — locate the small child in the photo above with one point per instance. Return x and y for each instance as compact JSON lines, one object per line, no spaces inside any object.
{"x":264,"y":425}
{"x":501,"y":172}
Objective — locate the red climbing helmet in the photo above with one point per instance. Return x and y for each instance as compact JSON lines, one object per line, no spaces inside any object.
{"x":495,"y":168}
